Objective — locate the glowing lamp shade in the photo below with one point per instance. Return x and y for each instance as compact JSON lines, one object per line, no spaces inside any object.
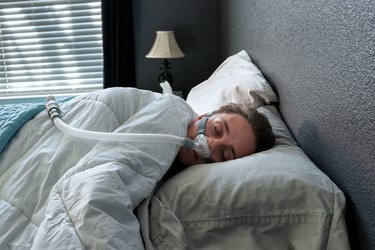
{"x":165,"y":46}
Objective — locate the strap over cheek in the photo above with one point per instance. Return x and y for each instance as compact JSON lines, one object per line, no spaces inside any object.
{"x":202,"y":124}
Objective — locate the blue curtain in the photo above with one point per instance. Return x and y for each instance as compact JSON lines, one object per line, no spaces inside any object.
{"x":118,"y":43}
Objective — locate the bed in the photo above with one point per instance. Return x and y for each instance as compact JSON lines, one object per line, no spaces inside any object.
{"x":62,"y":192}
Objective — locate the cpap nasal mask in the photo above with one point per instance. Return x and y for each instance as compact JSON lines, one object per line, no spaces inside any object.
{"x":200,"y":144}
{"x":201,"y":134}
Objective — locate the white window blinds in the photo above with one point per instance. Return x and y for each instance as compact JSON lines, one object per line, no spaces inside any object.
{"x":50,"y":47}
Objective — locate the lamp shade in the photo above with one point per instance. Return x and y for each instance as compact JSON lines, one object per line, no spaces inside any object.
{"x":165,"y":46}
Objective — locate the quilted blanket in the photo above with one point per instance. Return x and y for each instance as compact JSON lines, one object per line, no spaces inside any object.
{"x":62,"y":192}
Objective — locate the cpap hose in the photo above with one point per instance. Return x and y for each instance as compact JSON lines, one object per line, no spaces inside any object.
{"x":200,"y":144}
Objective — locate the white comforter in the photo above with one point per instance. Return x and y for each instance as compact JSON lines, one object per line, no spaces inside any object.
{"x":61,"y":192}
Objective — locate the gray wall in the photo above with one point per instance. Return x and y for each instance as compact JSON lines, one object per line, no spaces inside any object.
{"x":197,"y":30}
{"x":319,"y":57}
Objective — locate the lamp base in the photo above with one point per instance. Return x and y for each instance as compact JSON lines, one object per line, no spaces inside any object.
{"x":165,"y":72}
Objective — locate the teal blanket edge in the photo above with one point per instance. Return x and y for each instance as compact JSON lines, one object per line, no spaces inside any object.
{"x":14,"y":116}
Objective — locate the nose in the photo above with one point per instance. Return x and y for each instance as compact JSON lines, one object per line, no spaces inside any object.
{"x":211,"y":143}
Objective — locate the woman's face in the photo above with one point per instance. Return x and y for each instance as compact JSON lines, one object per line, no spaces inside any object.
{"x":230,"y":136}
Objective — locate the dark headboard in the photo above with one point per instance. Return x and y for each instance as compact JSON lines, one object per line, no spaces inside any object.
{"x":319,"y":58}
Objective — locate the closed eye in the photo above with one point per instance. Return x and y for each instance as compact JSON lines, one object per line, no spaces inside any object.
{"x":216,"y":130}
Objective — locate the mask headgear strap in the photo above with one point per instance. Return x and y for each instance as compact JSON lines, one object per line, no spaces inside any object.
{"x":202,"y":124}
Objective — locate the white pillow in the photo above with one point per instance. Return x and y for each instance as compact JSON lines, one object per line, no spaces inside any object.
{"x":237,"y":80}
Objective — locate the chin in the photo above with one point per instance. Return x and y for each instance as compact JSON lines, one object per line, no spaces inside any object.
{"x":186,"y":157}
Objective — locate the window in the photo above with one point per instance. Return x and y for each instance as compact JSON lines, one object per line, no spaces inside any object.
{"x":50,"y":47}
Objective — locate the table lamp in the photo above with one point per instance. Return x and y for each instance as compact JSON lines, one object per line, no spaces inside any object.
{"x":165,"y":47}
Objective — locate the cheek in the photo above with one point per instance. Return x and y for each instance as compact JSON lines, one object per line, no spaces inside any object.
{"x":192,"y":130}
{"x":247,"y":147}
